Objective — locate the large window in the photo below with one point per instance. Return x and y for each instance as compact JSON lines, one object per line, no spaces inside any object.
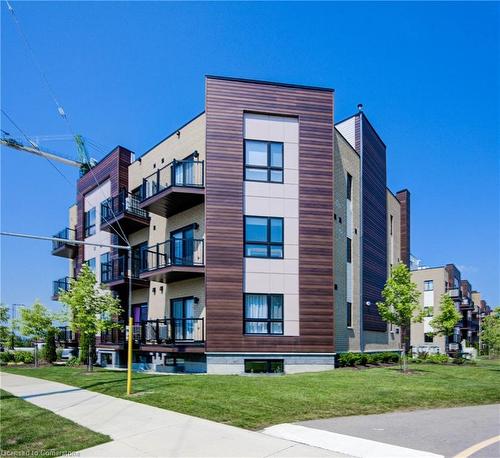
{"x":263,"y":237}
{"x":428,"y":285}
{"x":349,"y":250}
{"x":256,"y":366}
{"x":349,"y":315}
{"x":349,"y":186}
{"x":428,"y":337}
{"x":263,"y":161}
{"x":90,"y":222}
{"x":263,"y":313}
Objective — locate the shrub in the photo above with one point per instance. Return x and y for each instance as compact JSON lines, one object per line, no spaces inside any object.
{"x":6,"y":357}
{"x":24,"y":357}
{"x":49,"y":350}
{"x":437,"y":359}
{"x":363,"y":359}
{"x":376,"y":358}
{"x":59,"y":354}
{"x":458,"y":360}
{"x":394,"y":357}
{"x":73,"y":361}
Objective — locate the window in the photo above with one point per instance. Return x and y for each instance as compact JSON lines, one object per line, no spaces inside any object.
{"x":263,"y":237}
{"x":90,"y":222}
{"x":263,"y":313}
{"x":391,"y":223}
{"x":105,"y":268}
{"x":140,"y":313}
{"x":349,"y":187}
{"x":428,"y":285}
{"x":428,"y":337}
{"x":349,"y":250}
{"x":428,"y":311}
{"x":91,"y":264}
{"x":263,"y":161}
{"x":349,"y":315}
{"x":259,"y":366}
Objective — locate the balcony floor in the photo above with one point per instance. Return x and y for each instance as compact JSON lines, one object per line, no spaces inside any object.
{"x":66,"y":250}
{"x":173,"y":273}
{"x":127,"y":221}
{"x":173,"y":200}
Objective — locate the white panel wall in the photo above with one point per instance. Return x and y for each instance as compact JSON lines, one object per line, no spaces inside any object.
{"x":278,"y":276}
{"x":428,"y":298}
{"x":347,"y":129}
{"x":94,"y":199}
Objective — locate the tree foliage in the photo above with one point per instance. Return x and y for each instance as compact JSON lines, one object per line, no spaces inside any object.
{"x":4,"y":323}
{"x":490,"y":333}
{"x":37,"y":321}
{"x":401,"y":298}
{"x":445,"y":321}
{"x":49,"y":351}
{"x":91,"y":308}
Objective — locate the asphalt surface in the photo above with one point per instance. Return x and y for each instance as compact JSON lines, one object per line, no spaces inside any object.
{"x":444,"y":432}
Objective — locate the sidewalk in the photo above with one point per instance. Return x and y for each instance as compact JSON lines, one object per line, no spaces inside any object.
{"x":142,"y":430}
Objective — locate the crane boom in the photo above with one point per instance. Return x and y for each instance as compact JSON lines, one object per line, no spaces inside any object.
{"x":9,"y":143}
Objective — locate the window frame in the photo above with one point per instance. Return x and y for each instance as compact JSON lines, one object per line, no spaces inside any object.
{"x":268,"y":243}
{"x":349,"y":314}
{"x":267,"y":320}
{"x":87,"y":261}
{"x":268,"y":365}
{"x":269,"y":168}
{"x":348,"y":186}
{"x":88,"y":228}
{"x":431,"y":282}
{"x":348,"y":255}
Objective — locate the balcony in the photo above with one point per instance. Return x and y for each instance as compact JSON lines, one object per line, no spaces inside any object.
{"x":179,"y":333}
{"x":174,"y":188}
{"x":114,"y":273}
{"x":65,"y":249}
{"x":466,"y":304}
{"x":123,"y":212}
{"x":173,"y":260}
{"x":58,"y":285}
{"x":454,"y":293}
{"x":112,"y":338}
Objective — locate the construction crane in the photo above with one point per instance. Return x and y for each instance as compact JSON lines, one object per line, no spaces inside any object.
{"x":83,"y":164}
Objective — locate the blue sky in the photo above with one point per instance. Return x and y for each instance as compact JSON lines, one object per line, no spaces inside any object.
{"x":130,"y":73}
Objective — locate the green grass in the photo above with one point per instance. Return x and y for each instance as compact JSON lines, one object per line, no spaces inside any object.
{"x":27,"y":430}
{"x":257,"y":401}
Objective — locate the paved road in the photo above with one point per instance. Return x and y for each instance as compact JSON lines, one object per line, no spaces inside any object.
{"x":444,"y":432}
{"x":142,"y":430}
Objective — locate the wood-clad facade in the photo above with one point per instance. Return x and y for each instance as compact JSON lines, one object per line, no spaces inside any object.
{"x":403,"y":197}
{"x":227,"y":101}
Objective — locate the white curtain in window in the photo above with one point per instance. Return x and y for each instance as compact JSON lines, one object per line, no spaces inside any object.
{"x":256,"y":306}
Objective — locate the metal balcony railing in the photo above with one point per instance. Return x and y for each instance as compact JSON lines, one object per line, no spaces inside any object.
{"x":171,"y":330}
{"x":114,"y":336}
{"x":122,"y":203}
{"x":117,"y":269}
{"x":173,"y":252}
{"x":65,"y":334}
{"x":61,"y":284}
{"x":68,"y":234}
{"x":187,"y":173}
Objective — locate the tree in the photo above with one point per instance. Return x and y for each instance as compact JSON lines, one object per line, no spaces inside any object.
{"x":400,"y":304}
{"x":445,"y":321}
{"x":490,"y":333}
{"x":49,"y":351}
{"x":91,"y":308}
{"x":4,"y":324}
{"x":36,"y":322}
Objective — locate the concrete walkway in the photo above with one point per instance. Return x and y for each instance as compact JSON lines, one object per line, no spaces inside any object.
{"x":141,"y":430}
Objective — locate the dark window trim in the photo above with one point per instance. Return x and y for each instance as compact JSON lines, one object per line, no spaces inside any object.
{"x":87,"y":227}
{"x":183,"y":299}
{"x":267,"y":320}
{"x":269,"y":167}
{"x":192,"y":226}
{"x":349,"y":250}
{"x":269,"y":244}
{"x":349,"y":186}
{"x":349,"y":315}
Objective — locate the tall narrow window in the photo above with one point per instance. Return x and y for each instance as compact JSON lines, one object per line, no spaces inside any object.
{"x":90,"y":222}
{"x":349,"y":315}
{"x":91,"y":263}
{"x":263,"y":161}
{"x":428,"y":285}
{"x":349,"y":250}
{"x":263,"y":237}
{"x":391,"y":223}
{"x":106,"y":269}
{"x":263,"y":314}
{"x":349,"y":186}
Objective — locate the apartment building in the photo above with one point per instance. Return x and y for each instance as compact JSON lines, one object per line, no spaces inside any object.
{"x":433,"y":283}
{"x":262,"y":235}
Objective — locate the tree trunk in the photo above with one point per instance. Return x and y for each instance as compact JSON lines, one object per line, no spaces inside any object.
{"x":90,"y":367}
{"x":36,"y":355}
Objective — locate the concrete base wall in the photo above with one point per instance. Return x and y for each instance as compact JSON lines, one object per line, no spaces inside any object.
{"x":234,"y":363}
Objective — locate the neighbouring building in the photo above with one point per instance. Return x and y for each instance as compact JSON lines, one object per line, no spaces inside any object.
{"x":262,"y":235}
{"x":433,"y":283}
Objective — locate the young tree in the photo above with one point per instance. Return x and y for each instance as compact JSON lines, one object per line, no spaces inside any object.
{"x":36,"y":322}
{"x":49,"y":351}
{"x":490,"y":333}
{"x":401,"y":304}
{"x":91,"y":308}
{"x":445,"y":321}
{"x":4,"y":324}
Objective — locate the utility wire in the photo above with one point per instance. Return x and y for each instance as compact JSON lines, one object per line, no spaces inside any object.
{"x":61,"y":113}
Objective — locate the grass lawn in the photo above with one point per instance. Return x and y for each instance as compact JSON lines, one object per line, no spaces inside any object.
{"x":257,"y":401}
{"x":30,"y":430}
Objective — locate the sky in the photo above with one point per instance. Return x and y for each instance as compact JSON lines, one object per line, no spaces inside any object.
{"x":130,"y":73}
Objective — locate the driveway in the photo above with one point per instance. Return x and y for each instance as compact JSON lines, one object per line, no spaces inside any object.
{"x":462,"y":432}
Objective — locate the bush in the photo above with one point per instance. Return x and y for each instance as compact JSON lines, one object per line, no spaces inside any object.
{"x":437,"y":359}
{"x":73,"y":361}
{"x":59,"y":354}
{"x":363,"y":359}
{"x":85,"y":342}
{"x":24,"y":357}
{"x":6,"y":357}
{"x":375,"y":358}
{"x":49,"y":350}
